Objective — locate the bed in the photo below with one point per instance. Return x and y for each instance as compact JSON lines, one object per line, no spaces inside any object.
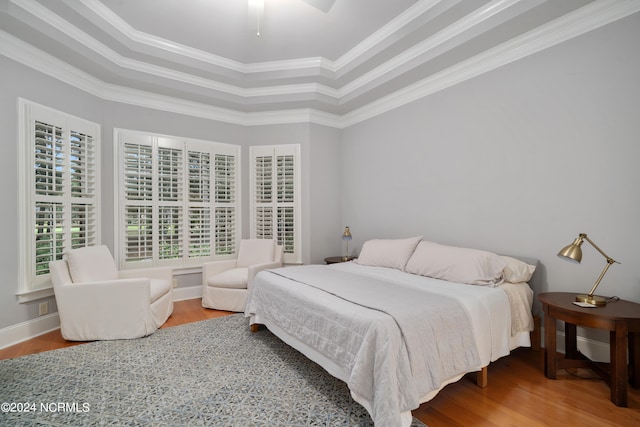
{"x":401,"y":322}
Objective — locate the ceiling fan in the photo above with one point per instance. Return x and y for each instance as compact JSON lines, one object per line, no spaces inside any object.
{"x":323,"y":5}
{"x":256,"y":9}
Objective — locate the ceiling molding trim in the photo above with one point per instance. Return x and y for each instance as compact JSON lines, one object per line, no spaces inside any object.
{"x":102,"y":11}
{"x":136,"y":36}
{"x":169,"y":104}
{"x":32,"y":57}
{"x":388,"y":30}
{"x":194,"y":109}
{"x":75,"y":33}
{"x":459,"y":27}
{"x":302,"y":115}
{"x":587,"y":18}
{"x":43,"y":62}
{"x":573,"y":24}
{"x":464,"y":24}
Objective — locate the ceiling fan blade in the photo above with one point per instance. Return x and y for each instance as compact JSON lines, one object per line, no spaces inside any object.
{"x":323,"y":5}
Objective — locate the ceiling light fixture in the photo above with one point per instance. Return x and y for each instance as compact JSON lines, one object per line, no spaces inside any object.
{"x":256,"y":7}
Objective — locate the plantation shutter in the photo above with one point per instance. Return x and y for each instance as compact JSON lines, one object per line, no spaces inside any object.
{"x":137,"y":181}
{"x":59,"y":204}
{"x":263,"y":196}
{"x":170,"y":161}
{"x":285,"y":203}
{"x":49,"y":164}
{"x":180,"y":200}
{"x":82,"y":173}
{"x":200,"y":170}
{"x":275,"y":200}
{"x":225,"y":198}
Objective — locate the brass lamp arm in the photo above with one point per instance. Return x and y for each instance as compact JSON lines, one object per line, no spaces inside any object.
{"x":609,"y":259}
{"x":606,"y":267}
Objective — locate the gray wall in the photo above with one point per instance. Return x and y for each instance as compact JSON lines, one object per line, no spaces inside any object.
{"x":518,"y":161}
{"x":324,"y":224}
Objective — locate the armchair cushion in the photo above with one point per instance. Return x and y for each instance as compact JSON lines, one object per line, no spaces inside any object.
{"x":91,"y":264}
{"x":236,"y":278}
{"x":255,"y":251}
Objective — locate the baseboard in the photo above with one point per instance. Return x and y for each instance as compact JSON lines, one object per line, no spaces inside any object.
{"x":24,"y":331}
{"x":594,"y":350}
{"x":30,"y":329}
{"x":190,"y":292}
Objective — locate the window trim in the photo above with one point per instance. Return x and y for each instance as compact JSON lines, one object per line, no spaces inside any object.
{"x":30,"y":289}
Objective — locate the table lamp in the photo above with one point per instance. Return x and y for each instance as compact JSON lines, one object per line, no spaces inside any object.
{"x":346,"y":236}
{"x":573,"y":252}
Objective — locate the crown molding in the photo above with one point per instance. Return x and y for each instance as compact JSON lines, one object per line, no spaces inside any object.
{"x":30,"y":56}
{"x":337,"y":95}
{"x":370,"y":79}
{"x":98,"y":8}
{"x":91,"y":43}
{"x":102,"y":11}
{"x":585,"y":19}
{"x":573,"y":24}
{"x":387,"y":31}
{"x":429,"y":45}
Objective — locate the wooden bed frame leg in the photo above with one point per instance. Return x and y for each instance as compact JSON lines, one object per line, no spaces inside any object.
{"x":255,"y":327}
{"x":482,"y":377}
{"x":536,"y":334}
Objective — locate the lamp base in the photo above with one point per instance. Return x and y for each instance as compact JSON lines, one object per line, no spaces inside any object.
{"x":592,"y":299}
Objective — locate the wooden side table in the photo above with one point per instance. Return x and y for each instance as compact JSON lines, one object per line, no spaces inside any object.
{"x":622,"y":320}
{"x":337,"y":259}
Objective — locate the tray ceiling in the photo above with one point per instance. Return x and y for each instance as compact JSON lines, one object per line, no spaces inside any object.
{"x":334,"y":58}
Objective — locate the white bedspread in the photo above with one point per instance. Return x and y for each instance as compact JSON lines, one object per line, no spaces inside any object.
{"x":390,"y":355}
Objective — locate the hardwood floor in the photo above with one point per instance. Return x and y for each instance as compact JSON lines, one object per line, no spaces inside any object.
{"x":518,"y":393}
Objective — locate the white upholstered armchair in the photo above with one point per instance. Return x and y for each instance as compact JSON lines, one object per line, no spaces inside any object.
{"x":98,"y":302}
{"x":225,"y":284}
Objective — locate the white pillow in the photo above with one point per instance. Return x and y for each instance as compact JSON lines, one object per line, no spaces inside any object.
{"x":517,"y":271}
{"x":460,"y":265}
{"x":392,"y":253}
{"x":91,"y":264}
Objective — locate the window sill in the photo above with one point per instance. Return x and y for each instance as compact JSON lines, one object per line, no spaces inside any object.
{"x":28,"y":296}
{"x":179,"y":271}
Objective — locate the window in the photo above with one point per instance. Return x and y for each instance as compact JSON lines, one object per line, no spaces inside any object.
{"x":275,"y":197}
{"x":59,"y":187}
{"x":179,"y":200}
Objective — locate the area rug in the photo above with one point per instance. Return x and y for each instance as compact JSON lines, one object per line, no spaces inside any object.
{"x":209,"y":373}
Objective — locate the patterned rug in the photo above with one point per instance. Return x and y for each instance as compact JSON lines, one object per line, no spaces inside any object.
{"x":210,"y":373}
